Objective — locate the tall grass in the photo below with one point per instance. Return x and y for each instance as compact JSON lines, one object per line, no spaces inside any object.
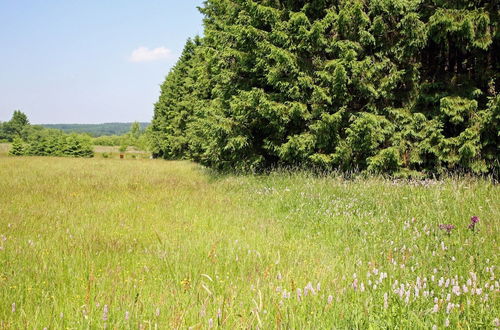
{"x":92,"y":243}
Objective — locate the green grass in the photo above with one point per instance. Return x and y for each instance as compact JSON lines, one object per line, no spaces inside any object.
{"x":168,"y":245}
{"x":100,"y":152}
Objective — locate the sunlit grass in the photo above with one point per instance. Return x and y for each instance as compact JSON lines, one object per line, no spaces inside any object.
{"x":130,"y":243}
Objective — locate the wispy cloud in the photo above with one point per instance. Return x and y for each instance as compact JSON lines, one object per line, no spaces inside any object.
{"x":144,"y":54}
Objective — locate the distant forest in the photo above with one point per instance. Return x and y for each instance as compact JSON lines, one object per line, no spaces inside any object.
{"x":96,"y":130}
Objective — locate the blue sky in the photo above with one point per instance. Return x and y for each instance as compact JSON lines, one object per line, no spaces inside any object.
{"x":89,"y":61}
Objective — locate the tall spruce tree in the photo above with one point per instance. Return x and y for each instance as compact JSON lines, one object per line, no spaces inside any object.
{"x":378,"y":85}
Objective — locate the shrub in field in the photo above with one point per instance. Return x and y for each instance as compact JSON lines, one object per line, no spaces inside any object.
{"x":17,"y":148}
{"x":39,"y":141}
{"x":49,"y":142}
{"x":379,"y":86}
{"x":76,"y":146}
{"x":113,"y":140}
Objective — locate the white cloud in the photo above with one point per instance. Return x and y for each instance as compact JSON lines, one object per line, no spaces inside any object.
{"x":144,"y":54}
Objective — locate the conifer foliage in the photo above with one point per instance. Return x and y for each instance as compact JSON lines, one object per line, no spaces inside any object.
{"x":384,"y":86}
{"x":29,"y":140}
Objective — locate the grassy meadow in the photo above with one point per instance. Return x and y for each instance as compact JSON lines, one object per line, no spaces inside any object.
{"x":114,"y":152}
{"x":140,"y":243}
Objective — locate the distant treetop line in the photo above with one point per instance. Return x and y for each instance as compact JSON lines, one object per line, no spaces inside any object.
{"x":96,"y":130}
{"x":384,"y":86}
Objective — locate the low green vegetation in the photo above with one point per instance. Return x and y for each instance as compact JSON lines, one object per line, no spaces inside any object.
{"x":136,"y":137}
{"x":52,"y":143}
{"x":29,"y":140}
{"x":115,"y":152}
{"x":95,"y":243}
{"x":38,"y":140}
{"x":406,"y":87}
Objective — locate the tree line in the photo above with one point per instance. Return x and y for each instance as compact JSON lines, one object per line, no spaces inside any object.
{"x":98,"y":130}
{"x":384,"y":86}
{"x":32,"y":140}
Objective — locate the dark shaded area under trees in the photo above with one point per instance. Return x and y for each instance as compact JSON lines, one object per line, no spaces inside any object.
{"x":385,"y":86}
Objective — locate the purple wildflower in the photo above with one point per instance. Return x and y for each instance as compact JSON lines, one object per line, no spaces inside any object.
{"x":473,"y":221}
{"x":447,"y":227}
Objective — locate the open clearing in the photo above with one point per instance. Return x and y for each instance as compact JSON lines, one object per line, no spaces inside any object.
{"x":88,"y":243}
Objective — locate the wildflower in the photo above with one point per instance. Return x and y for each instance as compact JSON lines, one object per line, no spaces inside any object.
{"x":127,"y":316}
{"x":355,"y":284}
{"x":330,"y":299}
{"x":447,"y":323}
{"x":13,"y":307}
{"x":473,"y":221}
{"x":456,"y":290}
{"x":219,"y":314}
{"x":449,"y":307}
{"x":157,"y":312}
{"x":84,"y":313}
{"x":386,"y":301}
{"x":309,"y":288}
{"x":447,"y":227}
{"x":496,"y":322}
{"x":299,"y":294}
{"x":434,"y":327}
{"x":105,"y":313}
{"x":436,"y":308}
{"x":210,"y":323}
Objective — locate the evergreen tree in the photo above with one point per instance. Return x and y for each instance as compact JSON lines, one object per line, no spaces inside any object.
{"x":17,"y":148}
{"x":378,"y":85}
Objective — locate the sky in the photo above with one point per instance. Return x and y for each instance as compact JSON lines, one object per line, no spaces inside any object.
{"x":90,"y":61}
